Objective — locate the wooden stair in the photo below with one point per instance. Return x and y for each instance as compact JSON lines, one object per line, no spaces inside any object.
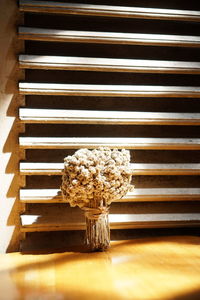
{"x":34,"y":223}
{"x":56,"y":111}
{"x":107,"y":64}
{"x":153,"y":194}
{"x":28,"y":115}
{"x":128,"y":143}
{"x":153,"y":217}
{"x":26,"y":88}
{"x":54,"y":35}
{"x":137,"y":169}
{"x":107,"y":10}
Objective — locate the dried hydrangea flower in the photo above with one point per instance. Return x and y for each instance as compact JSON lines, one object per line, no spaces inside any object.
{"x":103,"y":172}
{"x":93,"y":179}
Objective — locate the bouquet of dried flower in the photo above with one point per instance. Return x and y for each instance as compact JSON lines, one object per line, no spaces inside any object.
{"x":92,"y":180}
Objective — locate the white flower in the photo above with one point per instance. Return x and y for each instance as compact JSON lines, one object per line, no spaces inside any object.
{"x":96,"y":174}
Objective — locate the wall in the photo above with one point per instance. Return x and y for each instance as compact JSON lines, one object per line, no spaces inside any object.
{"x":9,"y":129}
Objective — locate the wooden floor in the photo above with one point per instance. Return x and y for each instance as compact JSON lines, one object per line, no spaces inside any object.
{"x":143,"y":268}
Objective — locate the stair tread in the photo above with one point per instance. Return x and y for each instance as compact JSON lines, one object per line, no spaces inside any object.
{"x":138,"y":194}
{"x":27,"y":168}
{"x":29,"y":88}
{"x":41,"y":34}
{"x":32,"y":115}
{"x":107,"y":64}
{"x":93,"y":142}
{"x":108,"y":10}
{"x":75,"y":221}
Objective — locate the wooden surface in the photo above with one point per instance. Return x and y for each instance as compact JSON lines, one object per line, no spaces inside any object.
{"x":107,"y":64}
{"x":54,"y":35}
{"x":151,"y":268}
{"x":107,"y":10}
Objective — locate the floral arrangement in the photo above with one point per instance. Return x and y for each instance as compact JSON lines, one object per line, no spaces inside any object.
{"x":92,"y":179}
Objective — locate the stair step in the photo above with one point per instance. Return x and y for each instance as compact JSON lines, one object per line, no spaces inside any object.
{"x":129,"y":143}
{"x":31,"y":115}
{"x":75,"y":221}
{"x":145,"y":194}
{"x":55,"y":35}
{"x":27,"y":88}
{"x":108,"y":11}
{"x":107,"y":64}
{"x":27,"y":168}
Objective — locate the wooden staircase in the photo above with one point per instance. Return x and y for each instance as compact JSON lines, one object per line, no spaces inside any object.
{"x":131,"y":82}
